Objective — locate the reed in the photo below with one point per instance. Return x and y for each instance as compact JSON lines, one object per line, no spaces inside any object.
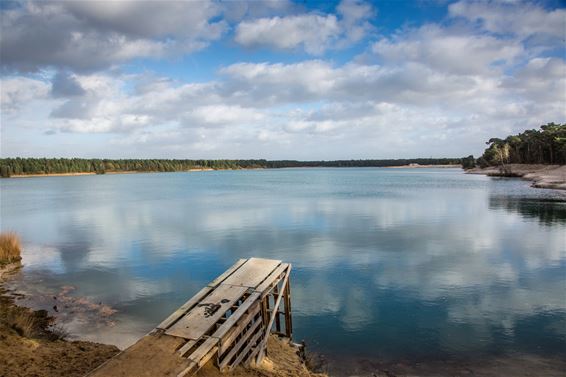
{"x":10,"y":247}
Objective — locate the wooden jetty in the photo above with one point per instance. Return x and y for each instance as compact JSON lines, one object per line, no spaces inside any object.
{"x":228,"y":321}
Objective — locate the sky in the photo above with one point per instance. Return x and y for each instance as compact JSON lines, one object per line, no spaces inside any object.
{"x":305,"y":80}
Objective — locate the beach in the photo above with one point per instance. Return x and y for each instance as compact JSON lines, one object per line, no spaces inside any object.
{"x":543,"y":176}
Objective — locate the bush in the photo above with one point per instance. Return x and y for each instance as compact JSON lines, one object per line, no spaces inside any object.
{"x":10,"y":248}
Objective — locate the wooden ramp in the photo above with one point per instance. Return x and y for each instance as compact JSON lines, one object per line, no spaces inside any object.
{"x":229,"y":321}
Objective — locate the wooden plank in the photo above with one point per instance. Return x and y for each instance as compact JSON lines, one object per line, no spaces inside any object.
{"x":253,"y":272}
{"x":267,"y":285}
{"x":201,"y":318}
{"x":203,"y":351}
{"x":184,"y":308}
{"x":227,"y":273}
{"x":252,"y":343}
{"x":231,"y":335}
{"x":226,"y":359}
{"x":287,"y":303}
{"x":226,"y":326}
{"x":251,"y":356}
{"x":268,"y":328}
{"x":191,"y":369}
{"x":276,"y":309}
{"x":187,"y":347}
{"x":200,"y":357}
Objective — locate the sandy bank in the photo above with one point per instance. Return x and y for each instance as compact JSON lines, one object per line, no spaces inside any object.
{"x":418,"y":166}
{"x":31,"y":344}
{"x":543,"y":176}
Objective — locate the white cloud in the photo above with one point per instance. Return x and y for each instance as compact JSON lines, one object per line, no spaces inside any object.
{"x":315,"y":33}
{"x":516,"y":18}
{"x":18,"y":90}
{"x":90,"y":35}
{"x":448,"y":50}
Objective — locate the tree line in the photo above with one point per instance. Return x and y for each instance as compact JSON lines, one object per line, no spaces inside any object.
{"x":546,"y":145}
{"x":23,"y":166}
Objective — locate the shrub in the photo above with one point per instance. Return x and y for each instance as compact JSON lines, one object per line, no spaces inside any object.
{"x":10,"y":247}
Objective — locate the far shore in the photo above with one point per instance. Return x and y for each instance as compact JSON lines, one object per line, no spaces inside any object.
{"x":108,"y":172}
{"x":418,"y":166}
{"x":411,"y":166}
{"x":543,"y":176}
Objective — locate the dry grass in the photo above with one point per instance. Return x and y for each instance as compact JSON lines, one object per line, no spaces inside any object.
{"x":10,"y":247}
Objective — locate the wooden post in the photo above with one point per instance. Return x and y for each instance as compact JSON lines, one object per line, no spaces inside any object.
{"x":287,"y":302}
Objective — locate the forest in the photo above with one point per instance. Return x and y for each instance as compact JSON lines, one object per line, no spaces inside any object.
{"x":23,"y":166}
{"x":546,"y":145}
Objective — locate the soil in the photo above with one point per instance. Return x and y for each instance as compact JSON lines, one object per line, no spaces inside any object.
{"x":543,"y":176}
{"x":32,"y":345}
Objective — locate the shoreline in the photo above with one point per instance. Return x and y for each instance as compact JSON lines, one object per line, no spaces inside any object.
{"x":416,"y":166}
{"x":108,"y":173}
{"x":542,"y":176}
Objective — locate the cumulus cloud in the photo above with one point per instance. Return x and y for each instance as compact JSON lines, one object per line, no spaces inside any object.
{"x":448,"y":50}
{"x":17,"y":91}
{"x":313,"y":32}
{"x":84,"y":35}
{"x":516,"y":18}
{"x":65,"y":85}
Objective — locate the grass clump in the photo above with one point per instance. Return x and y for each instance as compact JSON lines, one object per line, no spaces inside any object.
{"x":10,"y":248}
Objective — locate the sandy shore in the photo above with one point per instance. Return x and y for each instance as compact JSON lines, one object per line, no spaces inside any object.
{"x":418,"y":166}
{"x":543,"y":176}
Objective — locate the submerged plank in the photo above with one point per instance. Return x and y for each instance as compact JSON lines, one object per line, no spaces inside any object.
{"x":253,"y":272}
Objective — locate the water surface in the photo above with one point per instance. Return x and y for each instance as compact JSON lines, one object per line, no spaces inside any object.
{"x":389,"y":264}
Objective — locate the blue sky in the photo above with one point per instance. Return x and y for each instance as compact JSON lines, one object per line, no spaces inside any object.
{"x":276,"y":79}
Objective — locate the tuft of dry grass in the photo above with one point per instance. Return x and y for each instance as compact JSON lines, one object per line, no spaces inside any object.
{"x":10,"y":247}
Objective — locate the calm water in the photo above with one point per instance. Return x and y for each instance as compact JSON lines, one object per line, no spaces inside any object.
{"x":388,"y":263}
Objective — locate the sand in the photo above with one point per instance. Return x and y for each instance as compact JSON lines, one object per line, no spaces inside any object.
{"x":31,"y":346}
{"x":543,"y":176}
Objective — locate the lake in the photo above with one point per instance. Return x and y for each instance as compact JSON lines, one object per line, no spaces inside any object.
{"x":388,"y":264}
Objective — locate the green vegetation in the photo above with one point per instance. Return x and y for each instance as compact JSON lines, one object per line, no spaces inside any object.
{"x":10,"y":248}
{"x":544,"y":146}
{"x":23,"y":166}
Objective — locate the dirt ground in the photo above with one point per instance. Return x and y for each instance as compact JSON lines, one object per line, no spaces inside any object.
{"x":543,"y":176}
{"x":31,"y":344}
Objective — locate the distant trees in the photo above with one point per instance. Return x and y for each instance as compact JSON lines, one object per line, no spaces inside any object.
{"x":544,"y":146}
{"x":468,"y":162}
{"x":22,"y":166}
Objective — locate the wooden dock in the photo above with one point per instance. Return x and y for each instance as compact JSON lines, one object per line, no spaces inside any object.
{"x":228,"y":321}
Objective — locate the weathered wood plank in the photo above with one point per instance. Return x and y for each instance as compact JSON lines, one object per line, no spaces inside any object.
{"x":273,"y":315}
{"x":203,"y":350}
{"x":227,"y":273}
{"x":203,"y":316}
{"x":233,"y":333}
{"x":187,"y":347}
{"x":237,"y":347}
{"x":184,"y":308}
{"x":252,"y":273}
{"x":226,"y":326}
{"x":267,"y":285}
{"x":252,"y":343}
